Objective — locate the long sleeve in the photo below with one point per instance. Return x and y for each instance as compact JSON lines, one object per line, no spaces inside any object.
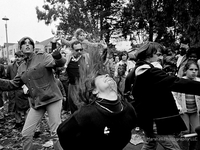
{"x":50,"y":61}
{"x":68,"y":132}
{"x":176,"y":84}
{"x":9,"y":85}
{"x":66,"y":42}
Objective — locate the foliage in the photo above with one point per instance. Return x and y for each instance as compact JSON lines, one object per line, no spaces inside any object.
{"x":92,"y":15}
{"x":163,"y":21}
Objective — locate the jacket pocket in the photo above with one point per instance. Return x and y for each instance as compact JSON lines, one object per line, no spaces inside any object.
{"x":38,"y":76}
{"x":46,"y":93}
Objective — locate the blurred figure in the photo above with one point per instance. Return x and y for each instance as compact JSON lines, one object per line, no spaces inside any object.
{"x":18,"y":100}
{"x":73,"y":61}
{"x":182,"y":58}
{"x":2,"y":75}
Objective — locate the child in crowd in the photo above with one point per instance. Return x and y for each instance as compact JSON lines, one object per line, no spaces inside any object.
{"x":188,"y":104}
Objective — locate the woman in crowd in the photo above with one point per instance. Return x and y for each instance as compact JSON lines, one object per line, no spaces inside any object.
{"x":154,"y":103}
{"x":189,"y":104}
{"x":106,"y":121}
{"x":36,"y":72}
{"x":129,"y":64}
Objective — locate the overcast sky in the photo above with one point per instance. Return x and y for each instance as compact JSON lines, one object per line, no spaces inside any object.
{"x":22,"y":21}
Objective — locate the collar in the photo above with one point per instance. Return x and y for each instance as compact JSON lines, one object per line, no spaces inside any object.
{"x":28,"y":58}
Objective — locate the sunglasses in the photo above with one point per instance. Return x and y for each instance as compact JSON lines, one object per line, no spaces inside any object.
{"x":79,"y":50}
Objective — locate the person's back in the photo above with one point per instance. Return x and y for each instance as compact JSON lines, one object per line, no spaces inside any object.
{"x":157,"y":113}
{"x":153,"y":95}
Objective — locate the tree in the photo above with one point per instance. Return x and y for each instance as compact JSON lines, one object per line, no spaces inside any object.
{"x":94,"y":16}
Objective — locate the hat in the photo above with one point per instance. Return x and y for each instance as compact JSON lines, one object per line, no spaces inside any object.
{"x":21,"y":42}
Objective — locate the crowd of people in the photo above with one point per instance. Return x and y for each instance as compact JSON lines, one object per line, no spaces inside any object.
{"x":106,"y":96}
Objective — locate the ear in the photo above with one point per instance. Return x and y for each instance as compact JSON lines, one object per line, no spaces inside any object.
{"x":95,"y":91}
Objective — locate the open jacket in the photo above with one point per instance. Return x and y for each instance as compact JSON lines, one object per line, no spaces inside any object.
{"x":154,"y":102}
{"x":37,"y":74}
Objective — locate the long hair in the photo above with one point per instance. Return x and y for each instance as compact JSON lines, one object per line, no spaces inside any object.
{"x":88,"y":73}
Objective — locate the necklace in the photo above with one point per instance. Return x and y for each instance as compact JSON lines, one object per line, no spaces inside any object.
{"x":109,"y":109}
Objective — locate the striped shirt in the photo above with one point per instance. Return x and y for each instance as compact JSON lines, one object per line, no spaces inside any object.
{"x":190,"y":103}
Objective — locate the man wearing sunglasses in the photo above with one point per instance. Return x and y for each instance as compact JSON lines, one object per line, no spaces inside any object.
{"x":74,"y":60}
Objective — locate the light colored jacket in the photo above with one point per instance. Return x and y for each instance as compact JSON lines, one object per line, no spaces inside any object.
{"x":181,"y":101}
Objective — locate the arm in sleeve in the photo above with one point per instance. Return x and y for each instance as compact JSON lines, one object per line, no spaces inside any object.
{"x":68,"y":132}
{"x":90,"y":44}
{"x":9,"y":85}
{"x":50,"y":61}
{"x":176,"y":84}
{"x":66,"y":42}
{"x":53,"y":45}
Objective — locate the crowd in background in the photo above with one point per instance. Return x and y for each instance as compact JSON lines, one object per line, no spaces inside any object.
{"x":182,"y":62}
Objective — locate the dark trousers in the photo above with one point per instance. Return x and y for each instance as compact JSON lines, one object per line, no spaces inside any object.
{"x":72,"y":97}
{"x":66,"y":103}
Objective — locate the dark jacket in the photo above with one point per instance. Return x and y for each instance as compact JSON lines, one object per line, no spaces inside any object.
{"x":12,"y":70}
{"x":154,"y":101}
{"x":37,"y":74}
{"x":19,"y":99}
{"x":94,"y":128}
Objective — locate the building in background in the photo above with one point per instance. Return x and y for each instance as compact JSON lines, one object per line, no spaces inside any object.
{"x":47,"y":45}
